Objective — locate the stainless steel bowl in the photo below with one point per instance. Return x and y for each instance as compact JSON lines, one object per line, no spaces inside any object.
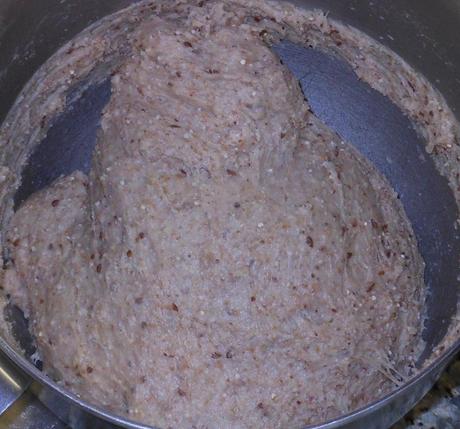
{"x":424,"y":33}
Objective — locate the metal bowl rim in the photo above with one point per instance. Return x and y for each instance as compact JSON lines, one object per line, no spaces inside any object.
{"x":99,"y":412}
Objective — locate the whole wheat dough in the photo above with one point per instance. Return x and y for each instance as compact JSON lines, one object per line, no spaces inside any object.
{"x":229,"y":262}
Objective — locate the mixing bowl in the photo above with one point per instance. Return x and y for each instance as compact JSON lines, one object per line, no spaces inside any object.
{"x":424,"y":33}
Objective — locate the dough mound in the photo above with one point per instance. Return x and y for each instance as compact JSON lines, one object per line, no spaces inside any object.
{"x":229,"y":262}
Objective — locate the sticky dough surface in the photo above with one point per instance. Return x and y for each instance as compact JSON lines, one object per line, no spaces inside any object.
{"x":229,"y":262}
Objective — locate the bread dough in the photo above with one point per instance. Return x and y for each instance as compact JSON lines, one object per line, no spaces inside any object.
{"x":229,"y":262}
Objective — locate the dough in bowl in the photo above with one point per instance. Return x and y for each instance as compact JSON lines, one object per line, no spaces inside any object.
{"x":229,"y":262}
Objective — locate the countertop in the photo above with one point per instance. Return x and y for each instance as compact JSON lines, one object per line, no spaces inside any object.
{"x":440,"y":409}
